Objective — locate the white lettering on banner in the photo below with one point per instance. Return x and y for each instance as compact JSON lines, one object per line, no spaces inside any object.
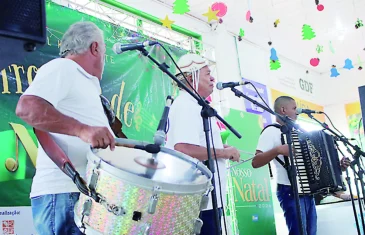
{"x":242,"y":173}
{"x":16,"y":220}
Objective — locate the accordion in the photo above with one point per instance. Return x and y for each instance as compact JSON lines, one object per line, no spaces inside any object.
{"x":317,"y":163}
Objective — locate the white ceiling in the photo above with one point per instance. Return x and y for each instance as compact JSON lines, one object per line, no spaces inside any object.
{"x":336,"y":23}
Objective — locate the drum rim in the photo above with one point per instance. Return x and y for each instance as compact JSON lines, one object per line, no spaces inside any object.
{"x":149,"y":184}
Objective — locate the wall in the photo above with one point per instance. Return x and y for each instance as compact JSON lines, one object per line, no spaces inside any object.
{"x":244,"y":59}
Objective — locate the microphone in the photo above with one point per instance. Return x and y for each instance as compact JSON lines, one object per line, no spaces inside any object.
{"x":307,"y":111}
{"x":119,"y":48}
{"x":160,"y":135}
{"x":222,"y":85}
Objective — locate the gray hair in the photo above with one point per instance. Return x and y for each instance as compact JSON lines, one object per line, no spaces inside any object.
{"x":79,"y":37}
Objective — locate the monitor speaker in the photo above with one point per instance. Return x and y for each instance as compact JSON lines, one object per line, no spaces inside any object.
{"x":22,"y":28}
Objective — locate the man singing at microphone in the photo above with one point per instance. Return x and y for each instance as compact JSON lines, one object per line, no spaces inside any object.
{"x":270,"y":146}
{"x":64,"y":100}
{"x":186,"y":133}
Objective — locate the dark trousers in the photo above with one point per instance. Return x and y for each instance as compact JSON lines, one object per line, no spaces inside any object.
{"x":307,"y":207}
{"x":209,"y":225}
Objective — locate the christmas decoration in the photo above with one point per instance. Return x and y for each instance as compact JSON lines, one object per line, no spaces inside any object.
{"x":359,"y":62}
{"x":167,"y":22}
{"x":348,"y":64}
{"x":275,"y":65}
{"x":358,"y":23}
{"x":241,"y":34}
{"x":331,"y":47}
{"x":276,"y":22}
{"x":320,"y":7}
{"x":273,"y":55}
{"x":181,"y":7}
{"x":314,"y":62}
{"x":308,"y":32}
{"x":211,"y":15}
{"x":334,"y":72}
{"x":319,"y":49}
{"x":221,"y":8}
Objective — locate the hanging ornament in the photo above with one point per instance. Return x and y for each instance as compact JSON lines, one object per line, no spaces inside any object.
{"x":276,"y":22}
{"x":221,"y":8}
{"x":308,"y":32}
{"x":331,"y":47}
{"x":314,"y":62}
{"x":358,"y":23}
{"x":348,"y":64}
{"x":166,"y":22}
{"x":211,"y":15}
{"x":319,"y":49}
{"x":334,"y":72}
{"x":359,"y":62}
{"x":241,"y":34}
{"x":273,"y":55}
{"x":274,"y":65}
{"x":181,"y":7}
{"x":249,"y":17}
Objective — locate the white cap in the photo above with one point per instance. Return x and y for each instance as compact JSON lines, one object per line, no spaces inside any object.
{"x":190,"y":63}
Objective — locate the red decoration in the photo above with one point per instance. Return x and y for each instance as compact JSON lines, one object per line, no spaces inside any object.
{"x":314,"y":62}
{"x":320,"y":7}
{"x":221,"y":7}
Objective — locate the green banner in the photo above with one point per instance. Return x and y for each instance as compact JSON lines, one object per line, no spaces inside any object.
{"x":251,"y":197}
{"x":136,"y":88}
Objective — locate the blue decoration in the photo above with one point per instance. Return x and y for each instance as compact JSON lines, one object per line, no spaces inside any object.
{"x":273,"y":56}
{"x":334,"y":72}
{"x":348,"y":64}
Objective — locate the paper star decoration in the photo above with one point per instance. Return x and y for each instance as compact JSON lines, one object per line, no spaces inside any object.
{"x":167,"y":22}
{"x":212,"y":15}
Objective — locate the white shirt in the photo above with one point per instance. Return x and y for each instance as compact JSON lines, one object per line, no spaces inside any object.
{"x":186,"y":126}
{"x":269,"y":139}
{"x":75,"y":93}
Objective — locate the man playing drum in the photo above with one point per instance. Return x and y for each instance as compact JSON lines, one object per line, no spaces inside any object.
{"x":186,"y":132}
{"x":64,"y":100}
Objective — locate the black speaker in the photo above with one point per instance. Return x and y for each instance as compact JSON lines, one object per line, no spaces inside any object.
{"x":22,"y":28}
{"x":23,"y":19}
{"x":362,"y":102}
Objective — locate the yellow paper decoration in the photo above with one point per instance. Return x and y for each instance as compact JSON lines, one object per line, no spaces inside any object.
{"x":212,"y":15}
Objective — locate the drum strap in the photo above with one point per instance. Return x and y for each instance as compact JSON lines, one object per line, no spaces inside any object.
{"x":56,"y":154}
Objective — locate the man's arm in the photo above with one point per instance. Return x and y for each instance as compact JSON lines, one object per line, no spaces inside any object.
{"x":201,"y":153}
{"x":40,"y":114}
{"x":263,"y":158}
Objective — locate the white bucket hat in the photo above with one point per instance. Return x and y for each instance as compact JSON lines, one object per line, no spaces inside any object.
{"x":191,"y":63}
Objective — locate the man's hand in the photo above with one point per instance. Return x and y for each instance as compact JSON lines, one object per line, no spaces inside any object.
{"x":231,"y":153}
{"x":98,"y":137}
{"x":345,"y":162}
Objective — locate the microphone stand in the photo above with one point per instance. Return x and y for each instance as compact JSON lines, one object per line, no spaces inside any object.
{"x":348,"y":180}
{"x":287,"y":130}
{"x":355,"y":162}
{"x":207,"y":112}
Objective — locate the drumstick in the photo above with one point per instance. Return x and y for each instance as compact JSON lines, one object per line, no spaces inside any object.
{"x":241,"y":161}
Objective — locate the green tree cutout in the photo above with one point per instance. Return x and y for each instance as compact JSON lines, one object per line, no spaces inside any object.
{"x":181,"y":7}
{"x":275,"y":65}
{"x":308,"y":32}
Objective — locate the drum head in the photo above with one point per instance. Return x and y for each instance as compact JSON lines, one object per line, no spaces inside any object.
{"x":172,"y":167}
